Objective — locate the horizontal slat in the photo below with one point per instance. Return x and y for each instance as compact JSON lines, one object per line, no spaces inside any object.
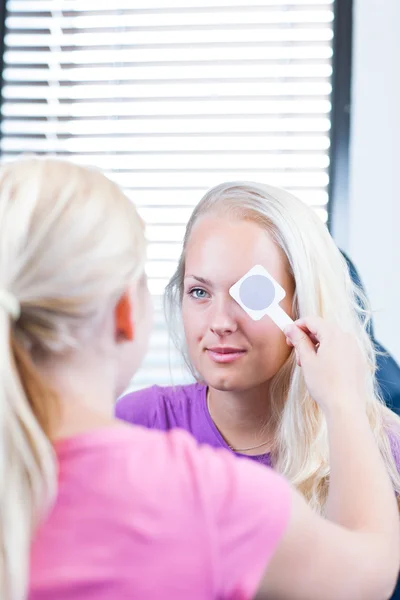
{"x":160,"y":233}
{"x":157,"y":269}
{"x":203,"y":53}
{"x":169,"y":251}
{"x":163,"y":216}
{"x":172,"y":107}
{"x":314,"y":197}
{"x":216,"y":124}
{"x":198,"y":178}
{"x":209,"y":161}
{"x":157,"y":286}
{"x":87,"y":5}
{"x":190,"y":197}
{"x":295,"y":33}
{"x":225,"y":144}
{"x":167,"y":72}
{"x":256,"y":16}
{"x":174,"y":90}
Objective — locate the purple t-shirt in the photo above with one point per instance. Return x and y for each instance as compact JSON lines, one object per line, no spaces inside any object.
{"x":185,"y":407}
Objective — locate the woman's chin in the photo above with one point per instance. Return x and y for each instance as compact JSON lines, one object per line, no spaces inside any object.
{"x":227,"y":382}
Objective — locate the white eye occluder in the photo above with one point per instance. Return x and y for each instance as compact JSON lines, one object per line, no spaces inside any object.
{"x":259,"y":294}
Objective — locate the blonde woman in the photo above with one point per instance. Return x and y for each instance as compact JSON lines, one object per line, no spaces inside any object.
{"x":251,"y":396}
{"x":93,"y":509}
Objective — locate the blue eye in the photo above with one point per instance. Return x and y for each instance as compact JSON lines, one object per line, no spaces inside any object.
{"x":198,"y":293}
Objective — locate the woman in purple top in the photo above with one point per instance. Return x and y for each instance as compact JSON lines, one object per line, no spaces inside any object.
{"x":251,"y":396}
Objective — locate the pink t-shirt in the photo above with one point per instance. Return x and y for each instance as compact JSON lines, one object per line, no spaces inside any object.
{"x":145,"y":514}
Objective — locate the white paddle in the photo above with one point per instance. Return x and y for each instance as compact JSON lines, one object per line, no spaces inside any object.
{"x":259,"y":294}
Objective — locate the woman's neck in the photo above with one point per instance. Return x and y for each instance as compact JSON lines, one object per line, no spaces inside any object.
{"x":243,"y":418}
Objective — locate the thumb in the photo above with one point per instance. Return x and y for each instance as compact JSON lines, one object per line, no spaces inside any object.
{"x":305,"y":349}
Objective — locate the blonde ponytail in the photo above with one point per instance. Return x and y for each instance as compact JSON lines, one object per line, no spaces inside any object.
{"x":70,"y":244}
{"x":27,"y":464}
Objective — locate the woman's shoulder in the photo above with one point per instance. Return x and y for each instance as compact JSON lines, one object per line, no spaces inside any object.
{"x":160,"y":407}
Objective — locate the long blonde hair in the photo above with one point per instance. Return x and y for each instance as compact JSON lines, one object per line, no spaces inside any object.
{"x":70,"y":243}
{"x":323,"y":287}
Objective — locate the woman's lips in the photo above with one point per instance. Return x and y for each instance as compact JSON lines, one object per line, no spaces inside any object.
{"x":225,"y":354}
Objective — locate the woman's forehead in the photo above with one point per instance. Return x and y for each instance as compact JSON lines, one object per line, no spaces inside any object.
{"x":222,"y":251}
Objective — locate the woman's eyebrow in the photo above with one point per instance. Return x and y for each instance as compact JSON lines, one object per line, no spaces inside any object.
{"x":199,"y":279}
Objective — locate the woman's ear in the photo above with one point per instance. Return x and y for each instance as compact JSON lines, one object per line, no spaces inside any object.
{"x":124,"y":325}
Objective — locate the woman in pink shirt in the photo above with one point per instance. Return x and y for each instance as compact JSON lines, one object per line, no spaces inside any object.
{"x":95,"y":509}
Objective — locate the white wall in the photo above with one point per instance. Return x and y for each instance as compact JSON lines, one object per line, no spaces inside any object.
{"x":374,"y":211}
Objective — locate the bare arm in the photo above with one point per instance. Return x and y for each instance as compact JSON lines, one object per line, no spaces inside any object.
{"x":356,"y":553}
{"x":318,"y":559}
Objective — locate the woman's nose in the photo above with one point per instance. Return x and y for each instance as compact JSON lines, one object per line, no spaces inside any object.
{"x":223,"y":321}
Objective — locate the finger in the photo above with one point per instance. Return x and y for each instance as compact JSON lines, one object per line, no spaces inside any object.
{"x":315,"y":327}
{"x":289,"y":343}
{"x":298,"y":361}
{"x":304,"y":347}
{"x":311,"y":335}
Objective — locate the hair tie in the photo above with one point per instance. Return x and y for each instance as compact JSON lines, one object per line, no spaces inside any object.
{"x":10,"y":304}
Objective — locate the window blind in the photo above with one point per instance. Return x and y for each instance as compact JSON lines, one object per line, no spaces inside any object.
{"x":170,"y":98}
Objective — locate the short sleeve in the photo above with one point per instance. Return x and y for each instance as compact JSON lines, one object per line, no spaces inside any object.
{"x":138,"y":408}
{"x":247,"y":509}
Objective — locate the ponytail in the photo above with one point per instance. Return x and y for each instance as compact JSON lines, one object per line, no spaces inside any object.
{"x":62,"y":264}
{"x":27,"y":463}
